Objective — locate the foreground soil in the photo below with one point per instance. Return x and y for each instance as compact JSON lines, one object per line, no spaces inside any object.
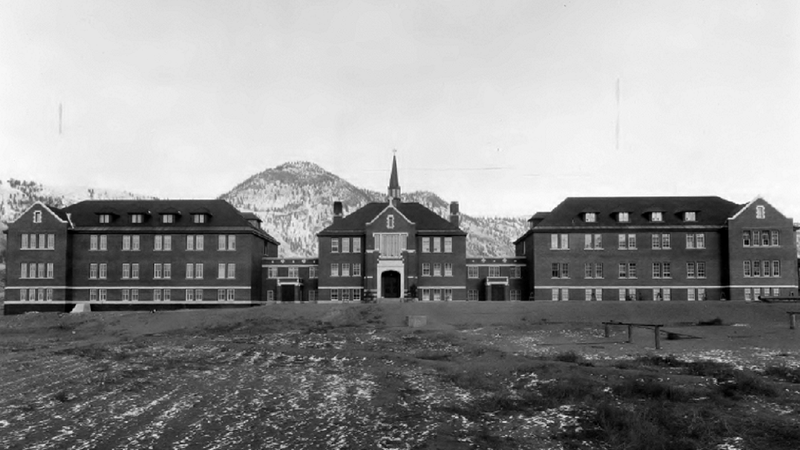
{"x":500,"y":376}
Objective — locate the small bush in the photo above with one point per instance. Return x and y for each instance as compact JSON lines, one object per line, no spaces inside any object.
{"x":62,"y":396}
{"x":747,"y":383}
{"x":569,"y":357}
{"x":712,"y":322}
{"x":783,"y":373}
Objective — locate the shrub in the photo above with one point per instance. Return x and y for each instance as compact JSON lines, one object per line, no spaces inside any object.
{"x":569,"y":357}
{"x":788,"y":374}
{"x":712,"y":322}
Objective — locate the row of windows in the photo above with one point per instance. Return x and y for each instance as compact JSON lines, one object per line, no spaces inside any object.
{"x":762,"y":268}
{"x":312,"y":295}
{"x":761,"y":238}
{"x":435,"y":295}
{"x":345,"y":246}
{"x":658,"y":241}
{"x":36,"y":270}
{"x":515,"y":294}
{"x":138,"y":218}
{"x":40,"y":241}
{"x":346,"y":272}
{"x":128,"y":294}
{"x":434,"y":244}
{"x":494,"y":271}
{"x":630,"y":294}
{"x":627,"y":270}
{"x":437,"y":270}
{"x":653,"y":216}
{"x":346,"y":295}
{"x":290,"y":272}
{"x":161,"y":242}
{"x":756,"y":293}
{"x":161,"y":271}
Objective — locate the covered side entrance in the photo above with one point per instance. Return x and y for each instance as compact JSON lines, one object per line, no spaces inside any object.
{"x":289,"y":291}
{"x":390,"y":284}
{"x":496,"y":288}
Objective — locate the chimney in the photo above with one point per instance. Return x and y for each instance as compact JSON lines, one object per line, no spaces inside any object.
{"x":454,"y":214}
{"x":337,"y":211}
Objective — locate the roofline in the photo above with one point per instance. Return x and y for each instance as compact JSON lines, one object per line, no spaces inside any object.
{"x":38,"y":202}
{"x":747,"y":205}
{"x":390,"y":205}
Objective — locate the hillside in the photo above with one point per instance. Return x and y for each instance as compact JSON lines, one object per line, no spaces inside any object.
{"x":295,"y":201}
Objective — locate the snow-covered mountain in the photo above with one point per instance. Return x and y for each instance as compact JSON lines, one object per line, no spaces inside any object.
{"x":295,"y":201}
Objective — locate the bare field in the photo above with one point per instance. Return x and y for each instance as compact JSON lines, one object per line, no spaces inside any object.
{"x":494,"y":376}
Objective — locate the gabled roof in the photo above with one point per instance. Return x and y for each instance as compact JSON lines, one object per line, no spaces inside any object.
{"x":711,"y":211}
{"x":422,"y":217}
{"x":223,"y":214}
{"x":58,"y":212}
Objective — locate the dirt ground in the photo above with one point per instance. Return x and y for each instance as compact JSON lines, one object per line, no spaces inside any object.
{"x":347,"y":376}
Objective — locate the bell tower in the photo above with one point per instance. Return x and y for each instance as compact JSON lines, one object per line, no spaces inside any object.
{"x":394,"y":184}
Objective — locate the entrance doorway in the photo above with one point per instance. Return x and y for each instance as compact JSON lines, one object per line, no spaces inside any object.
{"x":390,"y":281}
{"x":287,"y":293}
{"x":498,"y":292}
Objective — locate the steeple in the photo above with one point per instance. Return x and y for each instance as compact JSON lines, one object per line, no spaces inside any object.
{"x":394,"y":184}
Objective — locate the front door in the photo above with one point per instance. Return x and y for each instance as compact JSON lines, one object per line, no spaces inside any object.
{"x":498,"y":292}
{"x":287,"y":293}
{"x":390,"y":281}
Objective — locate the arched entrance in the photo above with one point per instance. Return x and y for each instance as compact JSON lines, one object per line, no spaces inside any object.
{"x":390,"y":282}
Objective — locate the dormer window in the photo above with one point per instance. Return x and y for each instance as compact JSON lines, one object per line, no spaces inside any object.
{"x":37,"y":217}
{"x":168,"y":218}
{"x":656,"y":216}
{"x":199,"y":218}
{"x":137,"y":218}
{"x":623,"y":217}
{"x":390,"y":221}
{"x":590,"y":217}
{"x":761,"y":212}
{"x":104,"y":218}
{"x":690,"y":216}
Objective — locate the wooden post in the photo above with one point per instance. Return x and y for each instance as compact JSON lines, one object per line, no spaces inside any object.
{"x":658,"y":337}
{"x":607,"y":334}
{"x":630,"y":333}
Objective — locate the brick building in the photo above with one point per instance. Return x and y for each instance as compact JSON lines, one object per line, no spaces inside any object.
{"x":659,"y":248}
{"x":133,"y":254}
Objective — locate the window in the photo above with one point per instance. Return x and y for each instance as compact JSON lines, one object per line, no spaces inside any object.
{"x":656,"y":241}
{"x":126,"y":271}
{"x":135,"y":271}
{"x":199,"y":218}
{"x":135,"y":241}
{"x":294,"y":272}
{"x":746,"y":238}
{"x":198,"y":271}
{"x":690,"y":270}
{"x":560,"y":270}
{"x":761,"y":212}
{"x":776,"y":269}
{"x":590,"y":217}
{"x":334,"y":269}
{"x":312,"y":295}
{"x":756,"y":268}
{"x":598,"y":270}
{"x":593,"y":241}
{"x":103,"y":242}
{"x":168,"y":218}
{"x":437,"y":269}
{"x":345,"y":269}
{"x":516,"y":272}
{"x":92,"y":295}
{"x":690,"y":216}
{"x":627,"y":270}
{"x":494,"y":271}
{"x":656,"y":270}
{"x":51,"y":241}
{"x":23,"y":270}
{"x":158,"y":242}
{"x":312,"y":272}
{"x":700,"y":240}
{"x":103,"y":271}
{"x":747,"y":269}
{"x":334,"y":245}
{"x":448,"y":245}
{"x":93,"y":271}
{"x":37,"y":217}
{"x":690,"y":295}
{"x":24,"y":243}
{"x":656,"y":216}
{"x":774,"y":235}
{"x":231,"y":294}
{"x":345,"y":294}
{"x":93,"y":242}
{"x":666,"y":271}
{"x":748,"y":295}
{"x":665,"y":241}
{"x":756,"y":237}
{"x":231,"y":242}
{"x":391,"y":245}
{"x":222,"y":242}
{"x":559,"y":241}
{"x":765,"y":238}
{"x":126,"y":242}
{"x":588,"y":270}
{"x":103,"y":295}
{"x":437,"y":245}
{"x":190,"y":295}
{"x":426,"y":295}
{"x":126,"y":295}
{"x":137,"y":218}
{"x":426,"y":245}
{"x":105,"y":218}
{"x":472,"y":295}
{"x":270,"y":296}
{"x":631,"y":241}
{"x":448,"y":269}
{"x":356,"y":245}
{"x":231,"y":270}
{"x":627,"y":242}
{"x":345,"y":245}
{"x":221,"y":295}
{"x":472,"y":272}
{"x":390,"y":221}
{"x":334,"y":295}
{"x":272,"y":272}
{"x":426,"y":269}
{"x":357,"y":269}
{"x":220,"y":270}
{"x":50,"y":270}
{"x":701,"y":269}
{"x":158,"y":270}
{"x":623,"y":217}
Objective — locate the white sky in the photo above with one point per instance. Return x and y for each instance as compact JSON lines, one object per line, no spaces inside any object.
{"x":505,"y":106}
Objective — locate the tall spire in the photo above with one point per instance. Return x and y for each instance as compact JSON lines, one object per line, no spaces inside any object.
{"x":394,"y":184}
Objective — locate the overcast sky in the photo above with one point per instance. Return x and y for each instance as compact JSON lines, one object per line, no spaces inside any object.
{"x":505,"y":106}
